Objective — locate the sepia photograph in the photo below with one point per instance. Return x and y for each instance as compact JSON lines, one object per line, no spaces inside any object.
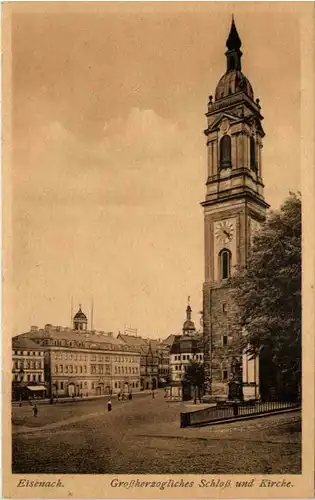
{"x":152,"y":248}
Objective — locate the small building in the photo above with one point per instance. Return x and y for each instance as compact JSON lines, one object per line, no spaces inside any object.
{"x":150,"y":358}
{"x":27,"y":369}
{"x":185,"y":348}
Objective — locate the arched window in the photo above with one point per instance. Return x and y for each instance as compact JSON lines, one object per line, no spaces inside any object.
{"x":225,"y":264}
{"x":225,"y":152}
{"x":252,"y":144}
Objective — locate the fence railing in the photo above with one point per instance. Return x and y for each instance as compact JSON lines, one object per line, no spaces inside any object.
{"x":232,"y":411}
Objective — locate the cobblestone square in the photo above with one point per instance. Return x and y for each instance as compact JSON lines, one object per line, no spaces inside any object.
{"x":143,"y":436}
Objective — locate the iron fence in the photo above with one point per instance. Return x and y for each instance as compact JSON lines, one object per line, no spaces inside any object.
{"x":232,"y":411}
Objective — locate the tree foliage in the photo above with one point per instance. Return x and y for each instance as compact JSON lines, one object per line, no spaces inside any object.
{"x":195,"y":374}
{"x":268,"y":291}
{"x":195,"y":377}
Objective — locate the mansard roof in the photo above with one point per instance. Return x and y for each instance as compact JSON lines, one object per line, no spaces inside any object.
{"x":24,"y":343}
{"x":75,"y":338}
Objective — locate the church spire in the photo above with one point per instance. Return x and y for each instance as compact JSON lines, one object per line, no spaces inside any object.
{"x":188,"y":310}
{"x":189,"y":325}
{"x":233,"y":54}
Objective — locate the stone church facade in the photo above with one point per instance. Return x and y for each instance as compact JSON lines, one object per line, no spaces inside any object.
{"x":234,"y":208}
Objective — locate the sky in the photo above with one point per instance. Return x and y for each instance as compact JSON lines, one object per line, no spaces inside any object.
{"x":109,"y":157}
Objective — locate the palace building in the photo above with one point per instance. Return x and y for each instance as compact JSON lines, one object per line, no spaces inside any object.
{"x":83,"y":362}
{"x":234,"y":208}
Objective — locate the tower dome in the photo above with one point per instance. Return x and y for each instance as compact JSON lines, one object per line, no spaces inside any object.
{"x":233,"y":80}
{"x":80,"y":320}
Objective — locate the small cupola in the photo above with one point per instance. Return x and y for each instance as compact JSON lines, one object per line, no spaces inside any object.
{"x":80,"y":320}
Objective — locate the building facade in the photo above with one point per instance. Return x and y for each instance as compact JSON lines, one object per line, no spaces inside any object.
{"x":185,"y":348}
{"x":163,"y":352}
{"x":28,"y":379}
{"x":234,"y":209}
{"x":82,"y":362}
{"x":154,"y":360}
{"x":149,"y":361}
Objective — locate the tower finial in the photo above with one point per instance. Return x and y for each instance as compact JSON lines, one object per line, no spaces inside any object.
{"x":233,"y":42}
{"x":233,"y":53}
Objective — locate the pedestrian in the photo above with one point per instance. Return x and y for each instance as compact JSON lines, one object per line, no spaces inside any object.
{"x":165,"y":392}
{"x":118,"y":396}
{"x":109,"y":405}
{"x":130,"y":396}
{"x":35,"y":411}
{"x":153,"y":395}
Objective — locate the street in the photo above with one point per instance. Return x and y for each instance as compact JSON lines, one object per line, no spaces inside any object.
{"x":143,"y":436}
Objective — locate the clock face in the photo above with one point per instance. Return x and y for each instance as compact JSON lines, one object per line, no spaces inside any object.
{"x":224,"y":231}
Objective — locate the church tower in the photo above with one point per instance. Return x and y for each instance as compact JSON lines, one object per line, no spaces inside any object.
{"x":234,"y":208}
{"x":189,"y":325}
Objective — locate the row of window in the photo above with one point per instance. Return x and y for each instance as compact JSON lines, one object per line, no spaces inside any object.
{"x":164,"y":371}
{"x":121,"y":384}
{"x":126,"y":369}
{"x":28,"y":353}
{"x":100,"y":369}
{"x":187,"y":357}
{"x":129,"y":359}
{"x":28,"y":365}
{"x":181,"y":367}
{"x":28,"y":378}
{"x":61,"y":385}
{"x":70,"y":369}
{"x":94,"y":357}
{"x":178,"y":367}
{"x":86,"y":345}
{"x":66,"y":355}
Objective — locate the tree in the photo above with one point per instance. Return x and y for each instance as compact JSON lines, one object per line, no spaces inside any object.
{"x":268,"y":291}
{"x":195,"y":377}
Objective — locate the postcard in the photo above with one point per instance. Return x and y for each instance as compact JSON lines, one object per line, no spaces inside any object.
{"x":158,"y":249}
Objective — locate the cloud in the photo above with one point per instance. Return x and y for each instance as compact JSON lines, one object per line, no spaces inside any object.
{"x":137,"y":162}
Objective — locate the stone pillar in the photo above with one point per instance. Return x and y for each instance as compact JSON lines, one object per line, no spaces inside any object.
{"x":211,"y":146}
{"x":241,"y":149}
{"x":234,"y":151}
{"x":259,"y":159}
{"x":207,"y":340}
{"x":246,"y":150}
{"x":215,"y":158}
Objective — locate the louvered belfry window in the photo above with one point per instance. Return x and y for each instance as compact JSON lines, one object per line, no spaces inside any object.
{"x":225,"y":152}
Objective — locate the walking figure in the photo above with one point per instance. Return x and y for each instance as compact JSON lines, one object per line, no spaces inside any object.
{"x":153,"y":394}
{"x":35,"y":410}
{"x":118,"y":396}
{"x":109,"y":405}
